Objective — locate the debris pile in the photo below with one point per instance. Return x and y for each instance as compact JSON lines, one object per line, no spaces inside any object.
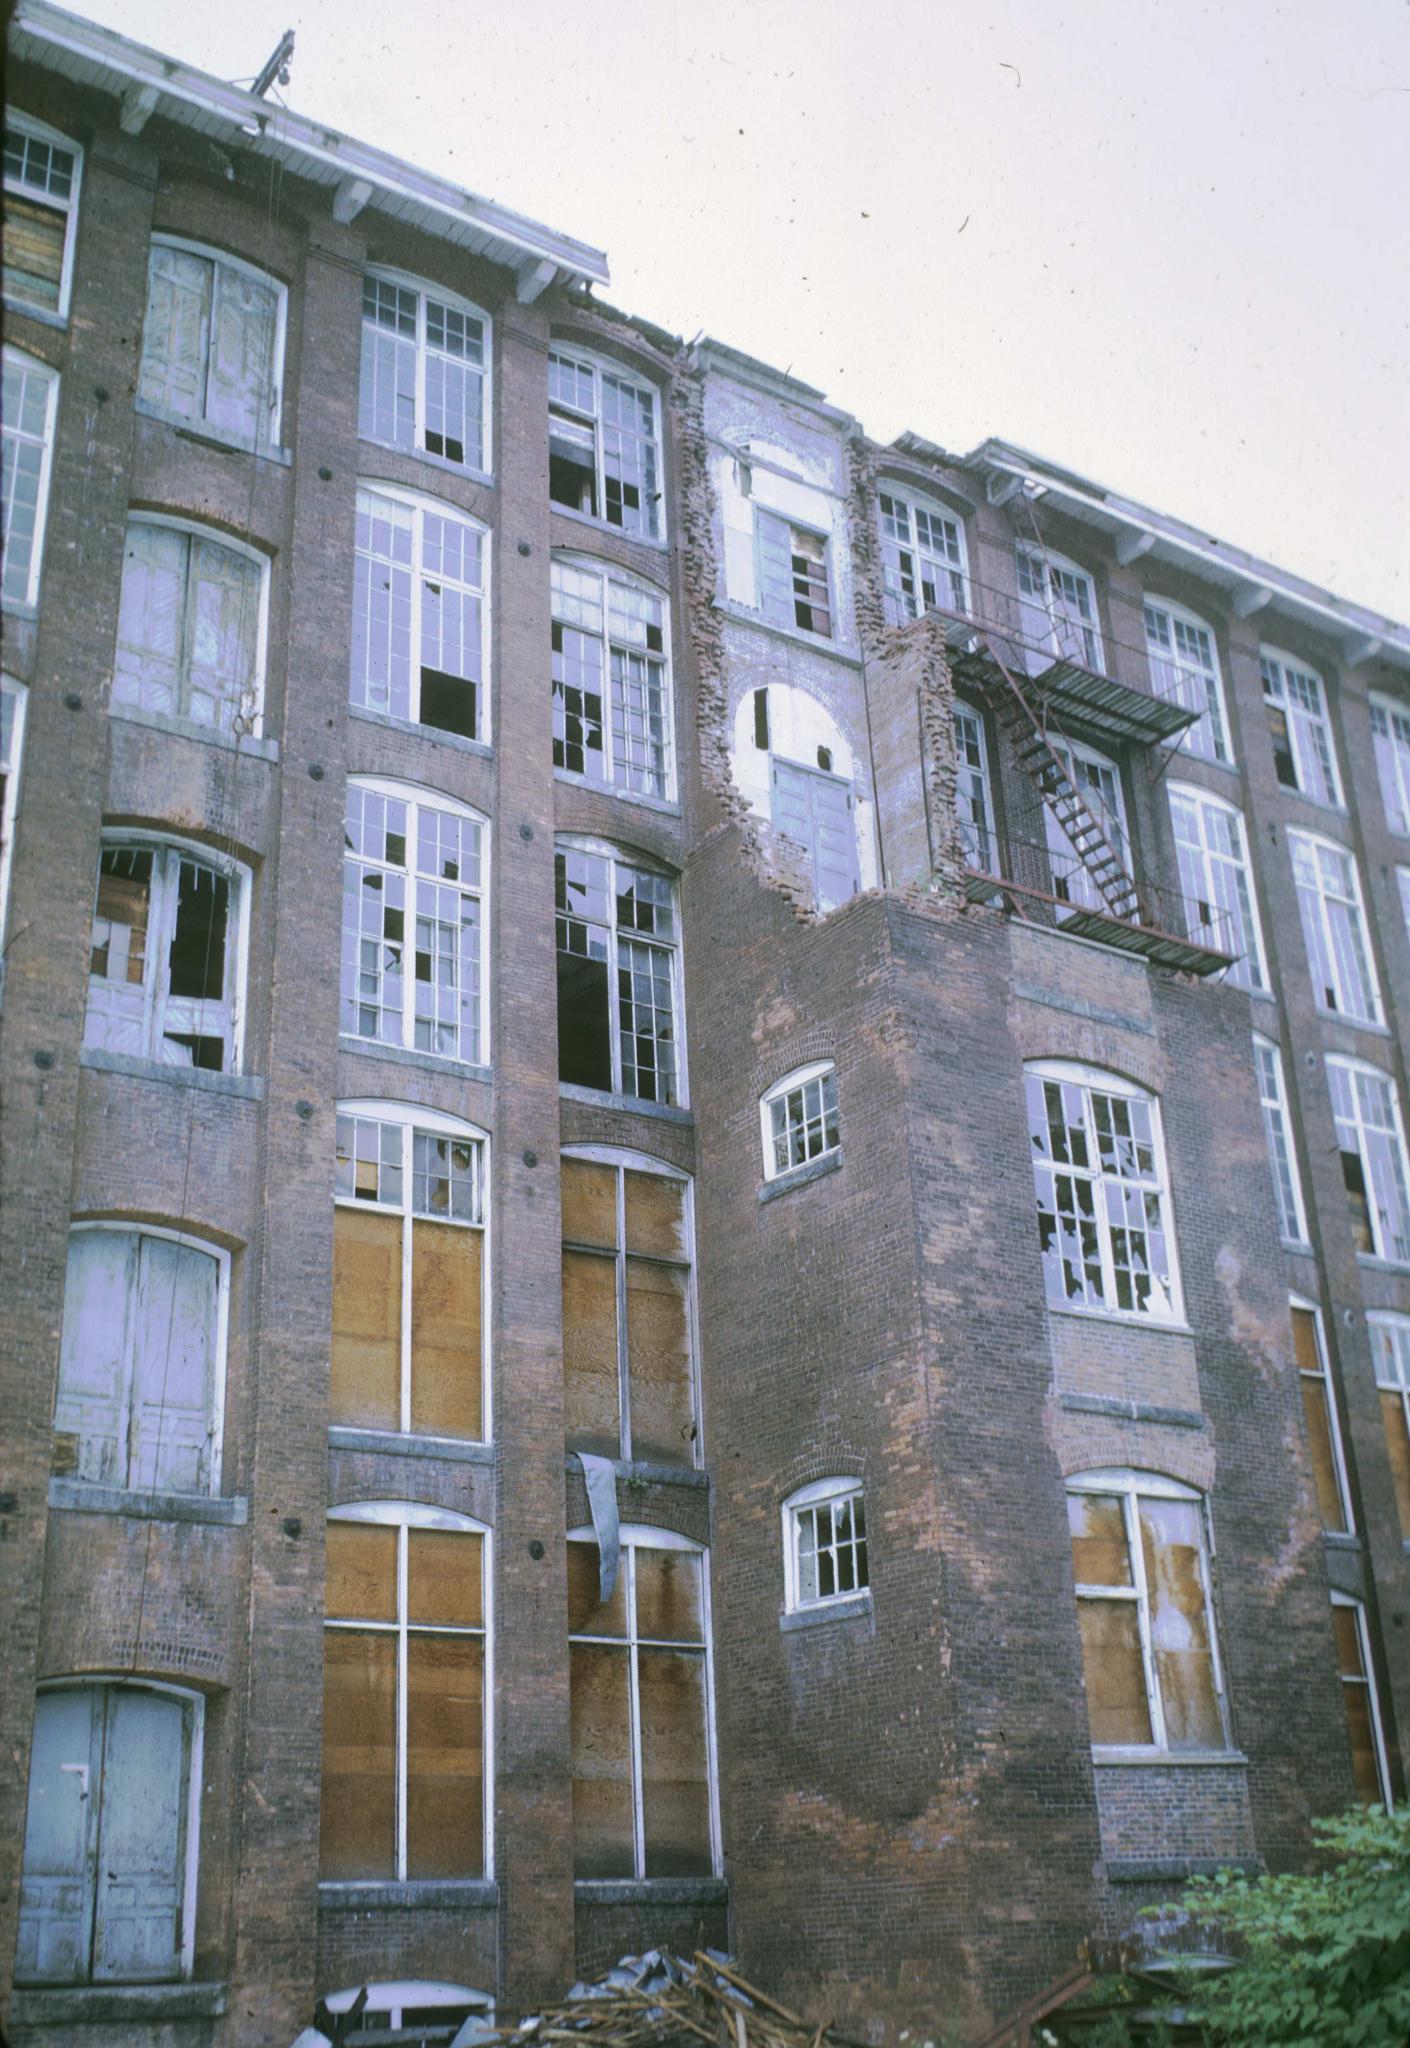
{"x":664,"y":2001}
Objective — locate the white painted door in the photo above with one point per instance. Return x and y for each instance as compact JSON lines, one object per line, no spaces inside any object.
{"x":61,"y":1837}
{"x":815,"y":811}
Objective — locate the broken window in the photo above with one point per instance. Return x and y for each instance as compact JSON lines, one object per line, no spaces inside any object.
{"x":1390,"y":736}
{"x":1282,"y":1159}
{"x":617,"y":1002}
{"x":1185,"y":669}
{"x":825,"y":1544}
{"x":1369,"y":1769}
{"x":1144,"y":1608}
{"x":974,"y":804}
{"x":643,"y":1776}
{"x":14,"y":698}
{"x":413,"y":2013}
{"x":141,"y":1362}
{"x":1329,"y":901}
{"x":628,"y":1317}
{"x":1371,"y":1140}
{"x":1212,"y":851}
{"x":1103,"y":1199}
{"x":1302,"y":735}
{"x":1390,"y":1353}
{"x":408,"y":1273}
{"x":793,"y":584}
{"x":922,"y":559}
{"x":190,"y":640}
{"x":163,"y":963}
{"x":412,"y":871}
{"x":1057,"y":610}
{"x":404,"y":1650}
{"x":42,"y":171}
{"x":611,"y":681}
{"x":212,"y":340}
{"x":799,"y":1117}
{"x":603,"y":444}
{"x":1320,"y":1412}
{"x":424,"y":364}
{"x":1098,"y":782}
{"x":31,"y":399}
{"x":107,"y":1889}
{"x":418,"y":638}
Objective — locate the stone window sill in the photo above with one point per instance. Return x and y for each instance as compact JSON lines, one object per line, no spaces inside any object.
{"x":116,"y":2005}
{"x":407,"y":1056}
{"x":640,"y":540}
{"x":1176,"y":1869}
{"x":644,"y":1472}
{"x":851,"y":1607}
{"x":250,"y":1086}
{"x":569,"y":1091}
{"x":651,"y":1891}
{"x":801,"y":1176}
{"x":796,"y":636}
{"x":1130,"y":1411}
{"x":389,"y":722}
{"x":247,"y":743}
{"x":472,"y":1893}
{"x":82,"y":1496}
{"x":211,"y":436}
{"x":387,"y":1442}
{"x":441,"y":462}
{"x":1168,"y":1759}
{"x":666,"y":806}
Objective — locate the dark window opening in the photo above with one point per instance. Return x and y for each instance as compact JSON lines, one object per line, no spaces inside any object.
{"x":825,"y":759}
{"x":1354,"y":1181}
{"x":572,"y":466}
{"x":205,"y":1052}
{"x":761,"y":720}
{"x":196,"y":961}
{"x":448,"y":445}
{"x":584,"y":1022}
{"x":448,"y":702}
{"x":1282,"y":746}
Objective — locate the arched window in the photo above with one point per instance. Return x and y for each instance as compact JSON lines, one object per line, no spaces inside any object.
{"x":612,"y":721}
{"x":1057,"y":609}
{"x":425,"y":371}
{"x":1295,"y":701}
{"x":191,"y":625}
{"x":798,"y":1117}
{"x":213,"y":340}
{"x":1371,"y":1140}
{"x":618,"y":974}
{"x":604,"y":442}
{"x":1390,"y":736}
{"x":43,"y":170}
{"x":922,"y":557}
{"x":824,"y":1544}
{"x":1212,"y":849}
{"x":1339,"y":956}
{"x":420,"y":635}
{"x":1185,"y":668}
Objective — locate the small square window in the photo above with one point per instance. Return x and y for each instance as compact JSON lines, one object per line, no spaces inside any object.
{"x":825,"y":1544}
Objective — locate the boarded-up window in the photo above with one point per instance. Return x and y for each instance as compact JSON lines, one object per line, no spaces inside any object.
{"x":138,"y":1394}
{"x":162,"y":968}
{"x":403,"y":1785}
{"x":642,"y":1799}
{"x":1319,"y":1409}
{"x":408,"y":1278}
{"x":629,"y":1384}
{"x":1390,"y":1350}
{"x":210,"y":341}
{"x":1358,"y":1691}
{"x":41,"y":199}
{"x":188,"y":640}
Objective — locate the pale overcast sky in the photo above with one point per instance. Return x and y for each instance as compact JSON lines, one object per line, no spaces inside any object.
{"x":1164,"y":242}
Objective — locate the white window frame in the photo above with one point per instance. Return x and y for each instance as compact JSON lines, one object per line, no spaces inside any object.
{"x":615,"y":776}
{"x":418,"y":798}
{"x":1131,"y":1485}
{"x":245,"y":714}
{"x":631,"y":1536}
{"x":653,"y":526}
{"x":393,"y":1997}
{"x":1363,"y":1636}
{"x":25,"y":124}
{"x":410,"y":1118}
{"x":616,"y":856}
{"x":420,"y":505}
{"x":1097,"y":1081}
{"x":1390,"y":740}
{"x":1187,"y":679}
{"x":14,"y":703}
{"x":1086,"y":767}
{"x":820,"y":1493}
{"x":169,"y":851}
{"x":404,"y":1515}
{"x":786,"y":614}
{"x":947,"y":573}
{"x":27,"y":366}
{"x":1306,"y":1306}
{"x":798,"y":1082}
{"x":1066,"y":628}
{"x":1326,"y":937}
{"x":1402,"y":883}
{"x":1353,"y":1071}
{"x":453,"y":302}
{"x":1390,"y":1362}
{"x":1287,"y":684}
{"x":1203,"y":864}
{"x":978,"y":836}
{"x":1282,"y":1149}
{"x":267,"y":435}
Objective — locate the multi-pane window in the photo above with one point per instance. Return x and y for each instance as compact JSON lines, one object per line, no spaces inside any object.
{"x":639,"y":1680}
{"x":824,"y":1544}
{"x":1057,"y":610}
{"x":1390,"y":1354}
{"x":1212,"y":851}
{"x":617,"y":1000}
{"x":212,"y":340}
{"x":1098,"y":782}
{"x":628,"y":1317}
{"x":419,"y":612}
{"x":1140,"y":1559}
{"x":31,"y":400}
{"x":108,"y":1882}
{"x":1390,"y":736}
{"x":793,"y":582}
{"x":14,"y":699}
{"x":42,"y":172}
{"x":1369,"y":1769}
{"x":424,"y":362}
{"x":190,"y":640}
{"x":166,"y":961}
{"x":1371,"y":1140}
{"x":611,"y":681}
{"x":1402,"y":883}
{"x":1277,"y":1128}
{"x":1185,"y":668}
{"x":141,"y":1361}
{"x":604,"y":444}
{"x":974,"y":805}
{"x":1103,"y":1203}
{"x":1320,"y":1412}
{"x":412,"y":871}
{"x":799,"y":1119}
{"x":1329,"y":901}
{"x":408,"y":1273}
{"x":922,"y":559}
{"x":405,"y":1687}
{"x":1303,"y":753}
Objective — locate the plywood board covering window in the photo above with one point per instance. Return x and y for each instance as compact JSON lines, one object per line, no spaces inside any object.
{"x":42,"y":174}
{"x":1390,"y":1353}
{"x":212,"y":340}
{"x":1369,"y":1768}
{"x":1320,"y":1413}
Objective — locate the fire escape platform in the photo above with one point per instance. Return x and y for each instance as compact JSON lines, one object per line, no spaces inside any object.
{"x":1100,"y":706}
{"x":1149,"y":942}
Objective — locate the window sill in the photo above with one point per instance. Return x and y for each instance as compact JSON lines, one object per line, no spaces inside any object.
{"x":850,"y":1607}
{"x":391,"y":723}
{"x":82,"y":1496}
{"x":1162,"y":1759}
{"x":184,"y":729}
{"x":20,"y":608}
{"x":1315,"y":803}
{"x":1131,"y":1411}
{"x":1375,"y":1264}
{"x":794,"y":635}
{"x":45,"y":315}
{"x":404,"y":1056}
{"x":801,"y":1176}
{"x":415,"y":1895}
{"x":1123,"y":1318}
{"x":1176,"y":1869}
{"x":1342,"y":1539}
{"x":1297,"y":1245}
{"x":666,"y":805}
{"x":569,"y":1091}
{"x":641,"y":540}
{"x":390,"y":1443}
{"x":1174,"y":747}
{"x":211,"y":436}
{"x":650,"y":1891}
{"x":442,"y":462}
{"x":92,"y":2005}
{"x":645,"y":1470}
{"x":1352,"y":1023}
{"x":248,"y":1086}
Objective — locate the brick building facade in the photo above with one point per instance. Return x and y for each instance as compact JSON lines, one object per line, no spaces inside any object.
{"x":540,"y":1421}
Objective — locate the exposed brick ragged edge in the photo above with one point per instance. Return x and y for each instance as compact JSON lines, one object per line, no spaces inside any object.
{"x":877,"y":638}
{"x":767,"y":858}
{"x":941,"y":763}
